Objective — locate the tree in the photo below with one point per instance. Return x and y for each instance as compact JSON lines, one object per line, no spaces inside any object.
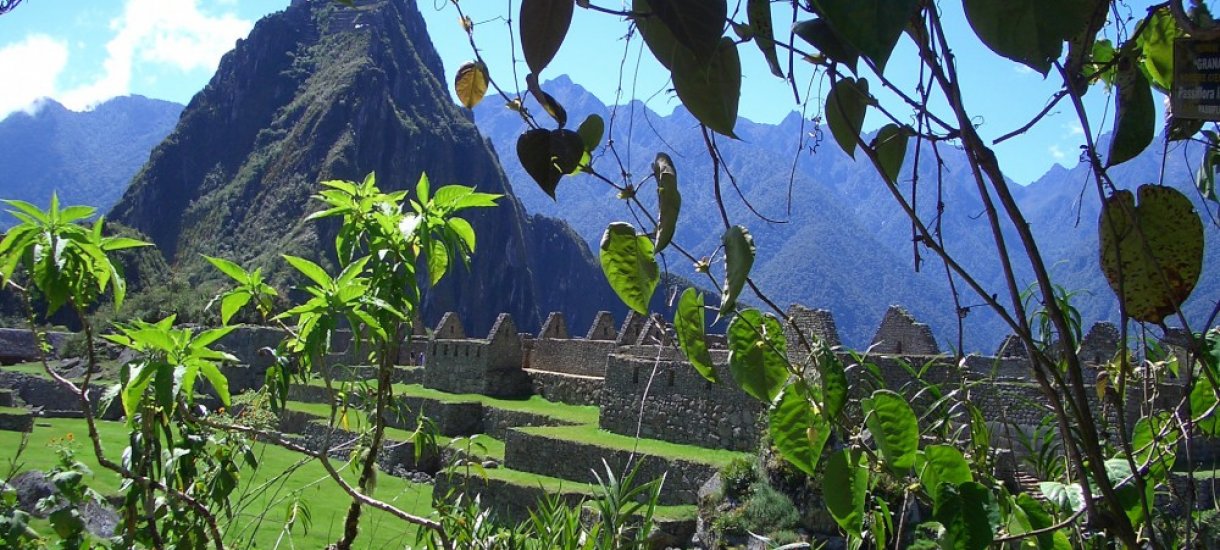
{"x":1151,"y":253}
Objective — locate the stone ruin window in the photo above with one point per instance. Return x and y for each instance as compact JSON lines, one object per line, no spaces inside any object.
{"x":671,"y":378}
{"x":635,"y":375}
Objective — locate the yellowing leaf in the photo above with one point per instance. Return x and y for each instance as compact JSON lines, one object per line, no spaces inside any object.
{"x":471,"y":83}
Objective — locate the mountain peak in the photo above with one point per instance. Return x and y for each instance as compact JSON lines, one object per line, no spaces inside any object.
{"x":321,"y":91}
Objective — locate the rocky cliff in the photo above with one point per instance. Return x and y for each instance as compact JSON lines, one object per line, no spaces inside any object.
{"x":321,"y":91}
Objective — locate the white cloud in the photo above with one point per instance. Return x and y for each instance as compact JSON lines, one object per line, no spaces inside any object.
{"x":167,"y":33}
{"x":1056,"y":152}
{"x":30,"y":68}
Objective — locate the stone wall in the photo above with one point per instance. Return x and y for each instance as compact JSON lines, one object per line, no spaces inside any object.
{"x":499,"y":422}
{"x":313,"y":434}
{"x":681,"y":405}
{"x":583,"y":357}
{"x":18,"y":345}
{"x":535,"y":453}
{"x":900,"y":334}
{"x":16,"y":421}
{"x":489,"y":367}
{"x":567,"y":388}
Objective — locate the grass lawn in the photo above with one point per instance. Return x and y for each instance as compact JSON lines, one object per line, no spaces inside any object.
{"x":261,"y":503}
{"x":602,"y":438}
{"x":579,"y":414}
{"x":109,"y":370}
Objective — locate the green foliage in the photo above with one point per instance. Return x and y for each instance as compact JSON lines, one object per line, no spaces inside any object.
{"x":1030,"y":32}
{"x":737,"y":476}
{"x":758,"y":354}
{"x":629,"y":264}
{"x":893,"y":425}
{"x":798,"y":430}
{"x":739,"y":254}
{"x":668,"y":199}
{"x":845,"y":108}
{"x":689,"y":325}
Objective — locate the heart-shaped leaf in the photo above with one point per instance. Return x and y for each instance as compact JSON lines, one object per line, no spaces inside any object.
{"x":758,"y":354}
{"x":871,"y":26}
{"x":629,"y":265}
{"x":544,"y":25}
{"x":894,"y":427}
{"x":891,"y":147}
{"x":547,"y":155}
{"x":470,"y":84}
{"x":1030,"y":32}
{"x":798,"y":430}
{"x":845,"y":106}
{"x":1152,"y":278}
{"x":711,"y":90}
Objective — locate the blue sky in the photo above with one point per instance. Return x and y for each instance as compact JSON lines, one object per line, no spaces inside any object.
{"x":81,"y":52}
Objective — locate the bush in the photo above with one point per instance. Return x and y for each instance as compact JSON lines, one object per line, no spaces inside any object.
{"x":737,"y":476}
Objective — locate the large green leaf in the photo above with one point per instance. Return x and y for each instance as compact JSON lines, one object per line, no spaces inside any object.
{"x":894,"y":428}
{"x":1156,"y":43}
{"x":759,"y":12}
{"x":1135,"y":124}
{"x":711,"y":90}
{"x":845,"y":107}
{"x":817,"y":33}
{"x":1118,"y":470}
{"x":844,"y":486}
{"x":309,"y":269}
{"x":758,"y":354}
{"x":544,"y":24}
{"x":871,"y":26}
{"x":692,"y":334}
{"x":1040,"y":519}
{"x":1068,"y":498}
{"x":891,"y":147}
{"x":1151,"y":278}
{"x":798,"y":430}
{"x":967,"y":512}
{"x":833,"y":377}
{"x":669,"y":199}
{"x":1030,"y":32}
{"x":547,"y":155}
{"x":231,"y":303}
{"x":696,"y":24}
{"x":1202,"y":400}
{"x":630,"y":267}
{"x":942,"y":464}
{"x":738,"y":259}
{"x":1155,"y":440}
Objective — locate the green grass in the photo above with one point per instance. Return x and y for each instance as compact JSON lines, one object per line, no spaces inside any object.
{"x":593,"y":436}
{"x":261,"y":502}
{"x":577,"y":414}
{"x":13,"y":410}
{"x":33,"y":369}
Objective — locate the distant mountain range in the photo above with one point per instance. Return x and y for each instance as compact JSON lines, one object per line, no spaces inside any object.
{"x":86,"y":157}
{"x":234,"y":177}
{"x":843,"y":243}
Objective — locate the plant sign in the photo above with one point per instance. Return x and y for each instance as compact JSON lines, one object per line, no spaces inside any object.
{"x":1196,"y":79}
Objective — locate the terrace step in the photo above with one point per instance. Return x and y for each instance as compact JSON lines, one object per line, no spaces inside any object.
{"x":6,"y":398}
{"x":547,"y":452}
{"x":573,"y":389}
{"x":16,"y":420}
{"x":511,"y":495}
